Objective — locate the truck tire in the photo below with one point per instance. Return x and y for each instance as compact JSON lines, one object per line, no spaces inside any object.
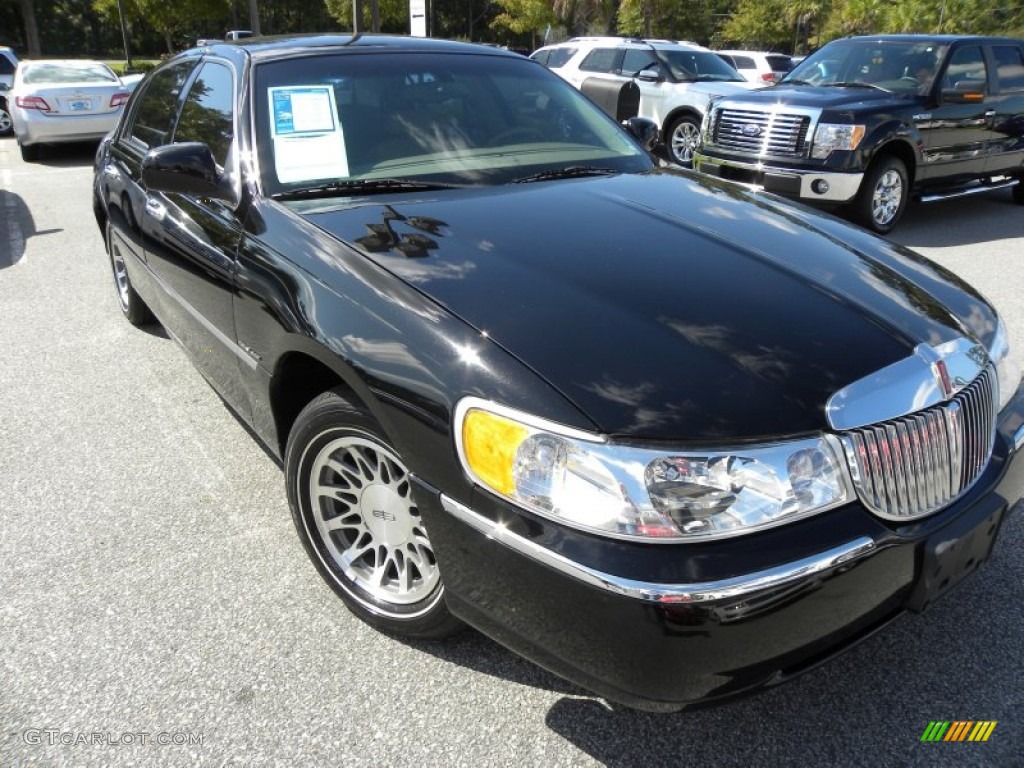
{"x":883,"y":195}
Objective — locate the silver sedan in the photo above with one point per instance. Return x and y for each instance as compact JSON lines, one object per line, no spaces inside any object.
{"x":56,"y":101}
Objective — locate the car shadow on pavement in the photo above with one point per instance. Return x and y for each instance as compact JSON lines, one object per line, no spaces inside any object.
{"x":477,"y":652}
{"x":963,"y":221}
{"x":16,"y":226}
{"x":75,"y":155}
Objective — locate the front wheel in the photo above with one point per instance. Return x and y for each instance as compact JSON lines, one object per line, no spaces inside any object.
{"x":351,"y":499}
{"x":6,"y":126}
{"x":883,"y":195}
{"x":682,"y":139}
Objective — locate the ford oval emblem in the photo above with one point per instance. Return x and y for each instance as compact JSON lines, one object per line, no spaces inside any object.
{"x":751,"y":130}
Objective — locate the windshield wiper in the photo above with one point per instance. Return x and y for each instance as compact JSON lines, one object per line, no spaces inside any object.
{"x":365,"y":187}
{"x":573,"y":171}
{"x":852,"y":84}
{"x":793,"y":82}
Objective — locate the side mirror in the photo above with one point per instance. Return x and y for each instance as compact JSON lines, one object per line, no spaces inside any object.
{"x":644,"y":130}
{"x":650,"y":74}
{"x":187,"y":169}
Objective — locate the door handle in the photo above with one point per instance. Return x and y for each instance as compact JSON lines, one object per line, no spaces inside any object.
{"x":155,"y":209}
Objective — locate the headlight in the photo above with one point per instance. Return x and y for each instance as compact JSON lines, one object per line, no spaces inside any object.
{"x":1008,"y":366}
{"x":830,"y":136}
{"x":588,"y":482}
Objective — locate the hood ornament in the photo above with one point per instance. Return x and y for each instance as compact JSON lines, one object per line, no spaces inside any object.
{"x":931,"y":375}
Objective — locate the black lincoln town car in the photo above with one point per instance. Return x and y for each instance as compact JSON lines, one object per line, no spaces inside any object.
{"x":668,"y":437}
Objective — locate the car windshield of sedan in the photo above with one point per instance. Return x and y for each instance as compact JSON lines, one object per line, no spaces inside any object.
{"x":702,"y":66}
{"x":339,"y":120}
{"x":897,"y":66}
{"x":35,"y":73}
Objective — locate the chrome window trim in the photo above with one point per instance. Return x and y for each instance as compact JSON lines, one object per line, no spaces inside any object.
{"x":928,"y":377}
{"x":699,"y":592}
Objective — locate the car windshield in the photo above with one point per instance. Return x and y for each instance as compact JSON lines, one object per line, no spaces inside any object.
{"x":703,"y":66}
{"x":420,"y":118}
{"x":35,"y":73}
{"x":901,"y":66}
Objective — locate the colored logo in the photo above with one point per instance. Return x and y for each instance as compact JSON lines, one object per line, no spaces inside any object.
{"x":960,"y":730}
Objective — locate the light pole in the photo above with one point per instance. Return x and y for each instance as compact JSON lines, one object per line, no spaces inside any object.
{"x":124,"y":36}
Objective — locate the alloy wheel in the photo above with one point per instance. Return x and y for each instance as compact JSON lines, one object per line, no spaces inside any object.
{"x":362,"y":506}
{"x":887,"y":197}
{"x":684,"y":141}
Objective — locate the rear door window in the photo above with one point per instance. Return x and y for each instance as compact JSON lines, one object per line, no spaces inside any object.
{"x":1009,"y":67}
{"x":600,"y":60}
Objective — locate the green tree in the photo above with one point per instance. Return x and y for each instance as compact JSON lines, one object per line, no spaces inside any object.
{"x":394,"y":14}
{"x":524,"y":17}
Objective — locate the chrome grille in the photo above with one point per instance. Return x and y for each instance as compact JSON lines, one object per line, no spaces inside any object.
{"x":909,"y":467}
{"x":777,"y":134}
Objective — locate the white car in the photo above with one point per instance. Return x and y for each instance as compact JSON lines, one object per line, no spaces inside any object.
{"x":8,"y":63}
{"x":54,"y":101}
{"x":676,"y":80}
{"x":759,"y":67}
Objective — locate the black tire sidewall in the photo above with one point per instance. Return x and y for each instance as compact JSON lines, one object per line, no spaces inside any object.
{"x":136,"y":313}
{"x":326,"y":418}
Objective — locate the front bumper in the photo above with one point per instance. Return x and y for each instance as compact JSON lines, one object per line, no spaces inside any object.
{"x":660,"y":627}
{"x":811,"y":185}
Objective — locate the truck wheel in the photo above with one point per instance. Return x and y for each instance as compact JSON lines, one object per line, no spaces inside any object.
{"x":682,"y":139}
{"x":883,"y":195}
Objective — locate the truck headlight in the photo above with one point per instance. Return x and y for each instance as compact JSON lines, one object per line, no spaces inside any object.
{"x":652,"y":494}
{"x":832,"y":136}
{"x":1008,"y":367}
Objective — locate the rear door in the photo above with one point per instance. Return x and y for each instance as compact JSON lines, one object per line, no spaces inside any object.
{"x":1006,"y":108}
{"x":148,"y":125}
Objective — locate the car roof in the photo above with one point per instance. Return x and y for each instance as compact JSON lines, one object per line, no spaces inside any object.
{"x":284,"y":46}
{"x":927,"y":38}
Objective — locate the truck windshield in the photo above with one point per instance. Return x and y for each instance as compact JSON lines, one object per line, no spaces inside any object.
{"x":900,"y":66}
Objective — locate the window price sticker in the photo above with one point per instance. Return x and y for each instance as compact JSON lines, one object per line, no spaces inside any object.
{"x":308,"y":139}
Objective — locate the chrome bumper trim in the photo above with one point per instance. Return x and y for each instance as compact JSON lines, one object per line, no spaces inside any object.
{"x":701,"y":592}
{"x":842,"y":186}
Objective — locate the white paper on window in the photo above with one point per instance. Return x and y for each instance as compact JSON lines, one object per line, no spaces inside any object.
{"x":309,"y":143}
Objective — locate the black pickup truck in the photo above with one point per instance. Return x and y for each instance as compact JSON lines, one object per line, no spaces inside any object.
{"x":869,"y":122}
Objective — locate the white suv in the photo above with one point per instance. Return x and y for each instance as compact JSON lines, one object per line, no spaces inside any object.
{"x":676,"y":80}
{"x":759,"y":67}
{"x":8,"y":63}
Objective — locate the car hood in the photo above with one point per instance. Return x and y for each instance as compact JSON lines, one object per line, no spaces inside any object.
{"x":852,"y":98}
{"x":666,"y":306}
{"x":714,"y":88}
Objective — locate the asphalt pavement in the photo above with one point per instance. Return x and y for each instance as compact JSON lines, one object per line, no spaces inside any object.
{"x":156,"y":607}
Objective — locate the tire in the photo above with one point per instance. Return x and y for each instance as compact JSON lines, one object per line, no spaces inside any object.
{"x":1018,"y":192}
{"x":6,"y":126}
{"x":364,"y":535}
{"x":29,"y":152}
{"x":682,"y":138}
{"x":132,"y":306}
{"x":883,"y":195}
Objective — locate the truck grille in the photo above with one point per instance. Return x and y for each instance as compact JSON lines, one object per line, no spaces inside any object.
{"x":752,"y":132}
{"x":909,"y":467}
